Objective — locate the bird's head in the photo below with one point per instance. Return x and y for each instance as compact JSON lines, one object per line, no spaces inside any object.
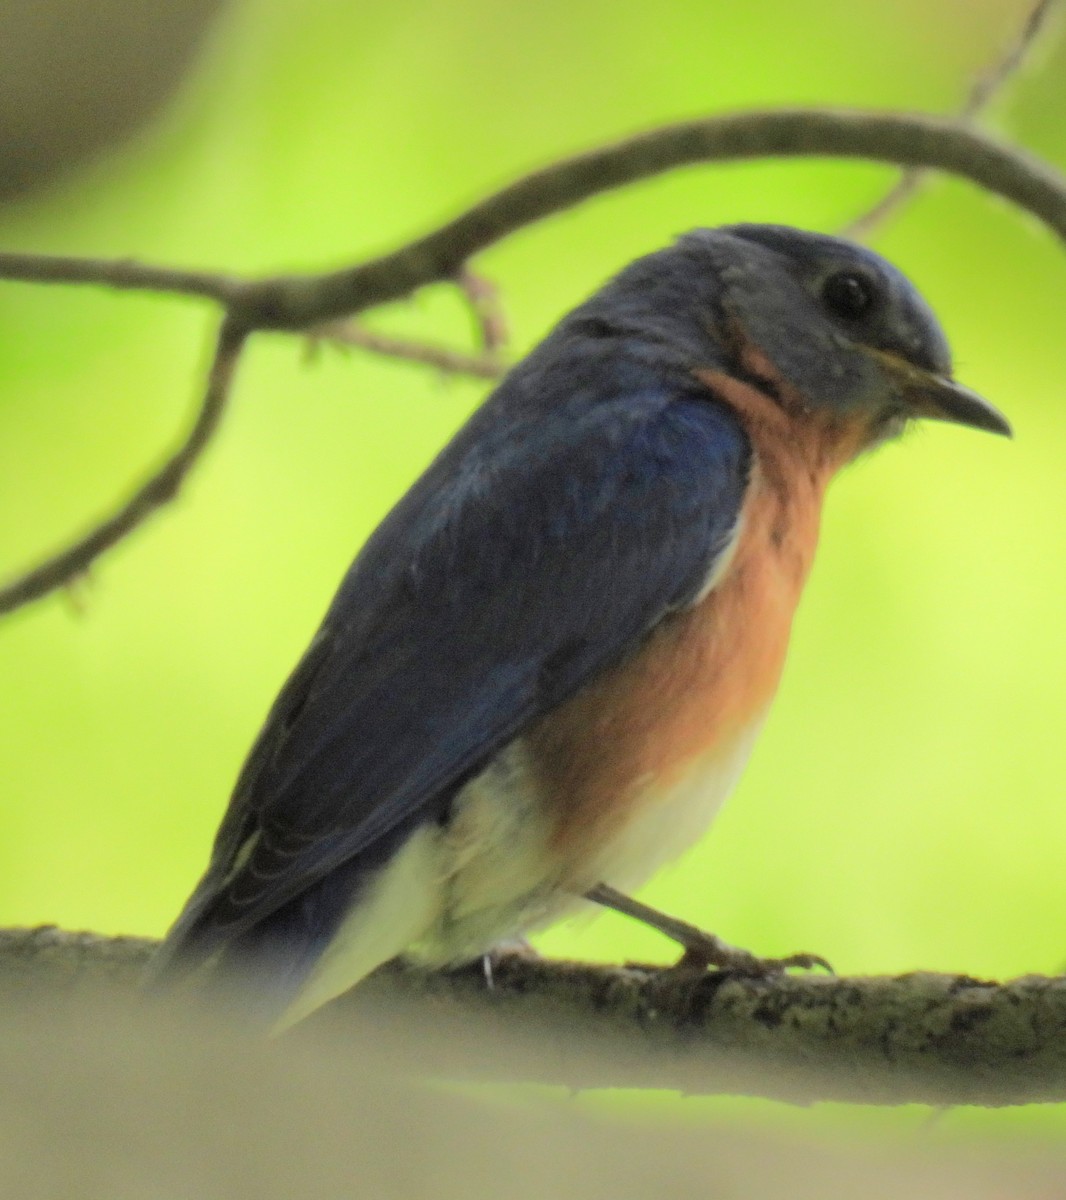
{"x":845,"y":329}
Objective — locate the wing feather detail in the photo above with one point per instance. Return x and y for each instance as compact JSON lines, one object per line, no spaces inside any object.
{"x":539,"y":548}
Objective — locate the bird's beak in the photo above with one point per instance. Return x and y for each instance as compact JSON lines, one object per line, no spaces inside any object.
{"x":928,"y":395}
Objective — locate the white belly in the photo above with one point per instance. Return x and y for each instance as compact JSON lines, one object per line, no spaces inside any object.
{"x":672,"y":819}
{"x":500,"y":879}
{"x":451,"y":893}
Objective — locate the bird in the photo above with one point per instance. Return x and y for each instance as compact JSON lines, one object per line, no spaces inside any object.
{"x":547,"y":667}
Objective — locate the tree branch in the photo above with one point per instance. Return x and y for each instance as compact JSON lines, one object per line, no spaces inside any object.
{"x":925,"y":1038}
{"x":69,"y":564}
{"x":987,"y":85}
{"x":120,"y":274}
{"x":297,"y":303}
{"x":801,"y":133}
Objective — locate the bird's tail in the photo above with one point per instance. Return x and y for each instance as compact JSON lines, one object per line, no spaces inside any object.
{"x":311,"y":949}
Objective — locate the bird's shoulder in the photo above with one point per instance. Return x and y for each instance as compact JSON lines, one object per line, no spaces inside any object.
{"x":578,"y":442}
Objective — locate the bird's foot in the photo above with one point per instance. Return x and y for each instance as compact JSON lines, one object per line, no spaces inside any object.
{"x":516,"y":947}
{"x":701,"y":950}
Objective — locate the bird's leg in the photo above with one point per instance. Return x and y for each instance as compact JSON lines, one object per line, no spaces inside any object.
{"x":702,"y":950}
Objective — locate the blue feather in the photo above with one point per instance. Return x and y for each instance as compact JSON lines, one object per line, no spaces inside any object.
{"x":589,"y":497}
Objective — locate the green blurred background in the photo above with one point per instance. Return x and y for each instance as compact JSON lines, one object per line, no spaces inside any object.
{"x":905,"y":806}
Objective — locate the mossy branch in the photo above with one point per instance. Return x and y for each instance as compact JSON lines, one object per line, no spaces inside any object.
{"x":918,"y":1038}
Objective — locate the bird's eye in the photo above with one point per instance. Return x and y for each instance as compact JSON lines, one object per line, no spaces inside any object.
{"x":848,"y":295}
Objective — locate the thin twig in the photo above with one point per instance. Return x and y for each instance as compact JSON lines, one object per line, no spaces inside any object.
{"x":443,"y":358}
{"x":991,"y":81}
{"x":123,"y":274}
{"x":72,"y":563}
{"x":483,"y":296}
{"x":988,"y":84}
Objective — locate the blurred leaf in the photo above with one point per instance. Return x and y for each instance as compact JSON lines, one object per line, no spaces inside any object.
{"x":77,"y":77}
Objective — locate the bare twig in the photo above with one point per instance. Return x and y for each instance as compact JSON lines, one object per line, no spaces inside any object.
{"x":121,"y":274}
{"x":72,"y":563}
{"x":987,"y":85}
{"x":427,"y":354}
{"x":991,"y":81}
{"x":483,"y":296}
{"x":934,"y":1039}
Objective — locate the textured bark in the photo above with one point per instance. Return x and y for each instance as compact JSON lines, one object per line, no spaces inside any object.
{"x":935,"y":1039}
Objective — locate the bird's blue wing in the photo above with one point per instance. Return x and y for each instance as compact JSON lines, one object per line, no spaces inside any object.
{"x":541,"y":547}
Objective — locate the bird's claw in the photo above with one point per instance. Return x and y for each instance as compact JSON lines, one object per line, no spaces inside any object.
{"x":704,"y":950}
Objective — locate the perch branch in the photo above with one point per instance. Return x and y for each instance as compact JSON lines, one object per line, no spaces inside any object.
{"x":73,"y":562}
{"x":925,"y":1038}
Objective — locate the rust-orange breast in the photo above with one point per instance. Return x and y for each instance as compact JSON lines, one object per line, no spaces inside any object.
{"x":704,"y":676}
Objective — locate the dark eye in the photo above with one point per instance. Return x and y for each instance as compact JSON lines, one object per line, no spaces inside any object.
{"x":848,"y":295}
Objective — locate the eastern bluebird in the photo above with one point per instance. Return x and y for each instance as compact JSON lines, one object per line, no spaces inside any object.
{"x":547,"y":667}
